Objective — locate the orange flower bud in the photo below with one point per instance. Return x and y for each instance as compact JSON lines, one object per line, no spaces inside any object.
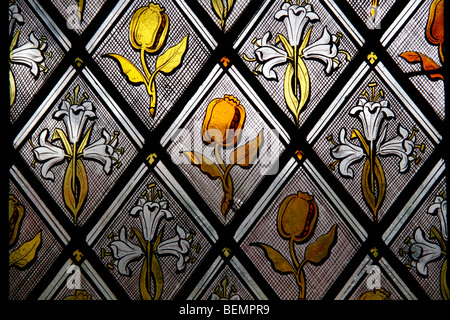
{"x":297,"y":217}
{"x":223,"y":121}
{"x":435,"y":25}
{"x":148,"y":28}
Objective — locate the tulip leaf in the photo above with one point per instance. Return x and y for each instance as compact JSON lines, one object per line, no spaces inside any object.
{"x":75,"y":186}
{"x":426,"y":63}
{"x":129,"y":69}
{"x":247,"y":154}
{"x":205,"y":164}
{"x":319,"y":250}
{"x":21,"y":257}
{"x":172,"y":57}
{"x":277,"y":260}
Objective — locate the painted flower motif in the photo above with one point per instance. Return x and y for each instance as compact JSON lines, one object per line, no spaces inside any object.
{"x":148,"y":28}
{"x":297,"y":217}
{"x":295,"y":18}
{"x":269,"y":56}
{"x":150,"y":214}
{"x":30,"y":54}
{"x":14,"y":15}
{"x":324,"y":49}
{"x":295,"y":50}
{"x":372,"y":144}
{"x":400,"y":146}
{"x":149,"y":243}
{"x":177,"y":246}
{"x":49,"y":154}
{"x":223,"y":121}
{"x":225,"y":291}
{"x":347,"y":153}
{"x":422,"y":252}
{"x":104,"y":150}
{"x":75,"y":117}
{"x":76,"y":149}
{"x":124,"y":251}
{"x":371,"y":115}
{"x":439,"y":208}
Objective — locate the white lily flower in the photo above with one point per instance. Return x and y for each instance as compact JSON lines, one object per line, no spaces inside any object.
{"x":49,"y":154}
{"x":439,"y":207}
{"x":324,"y":49}
{"x":371,"y":115}
{"x":177,"y":246}
{"x":102,"y":151}
{"x":13,"y":14}
{"x":124,"y":251}
{"x":423,"y":252}
{"x":75,"y":117}
{"x":30,"y":54}
{"x":269,"y":56}
{"x":348,"y":153}
{"x":399,"y":146}
{"x":150,"y":214}
{"x":295,"y":18}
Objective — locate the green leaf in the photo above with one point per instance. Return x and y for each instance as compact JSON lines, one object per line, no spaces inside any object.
{"x":295,"y":104}
{"x":172,"y":57}
{"x":246,"y":155}
{"x":75,"y":186}
{"x":204,"y":163}
{"x":58,"y":134}
{"x":319,"y":250}
{"x":12,"y":88}
{"x":129,"y":69}
{"x":373,"y":199}
{"x":218,"y":8}
{"x":279,"y":263}
{"x":26,"y":252}
{"x":286,"y":45}
{"x":229,"y":7}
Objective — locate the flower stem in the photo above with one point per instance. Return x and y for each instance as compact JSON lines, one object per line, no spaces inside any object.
{"x":144,"y":64}
{"x":372,"y":161}
{"x":217,"y":153}
{"x":295,"y":69}
{"x":74,"y":166}
{"x":293,"y":255}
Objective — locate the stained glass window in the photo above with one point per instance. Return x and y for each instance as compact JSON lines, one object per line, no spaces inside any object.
{"x":227,"y":150}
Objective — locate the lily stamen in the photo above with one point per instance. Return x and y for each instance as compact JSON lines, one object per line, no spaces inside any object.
{"x":416,"y":158}
{"x":105,"y":253}
{"x":116,"y":134}
{"x":420,"y":147}
{"x":413,"y":133}
{"x":332,"y":166}
{"x":331,"y":139}
{"x":196,"y":247}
